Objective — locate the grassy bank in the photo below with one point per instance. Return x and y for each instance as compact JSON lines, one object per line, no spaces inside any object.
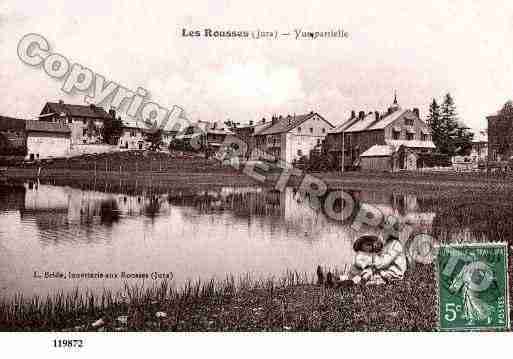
{"x":291,"y":303}
{"x":149,"y":168}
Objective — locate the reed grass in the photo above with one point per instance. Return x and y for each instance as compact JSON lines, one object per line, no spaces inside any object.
{"x":67,"y":310}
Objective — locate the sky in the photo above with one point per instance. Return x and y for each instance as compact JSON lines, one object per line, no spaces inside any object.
{"x":421,"y":49}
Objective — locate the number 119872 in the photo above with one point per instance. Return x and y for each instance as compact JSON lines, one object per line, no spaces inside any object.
{"x":68,"y":343}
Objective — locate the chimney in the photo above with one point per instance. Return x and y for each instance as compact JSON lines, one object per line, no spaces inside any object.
{"x":263,"y":120}
{"x":214,"y":125}
{"x":361,"y":115}
{"x":61,"y":102}
{"x":353,"y":114}
{"x":251,"y":122}
{"x":376,"y":113}
{"x":416,"y":112}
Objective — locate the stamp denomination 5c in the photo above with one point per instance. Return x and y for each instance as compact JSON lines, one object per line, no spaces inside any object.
{"x":473,"y":287}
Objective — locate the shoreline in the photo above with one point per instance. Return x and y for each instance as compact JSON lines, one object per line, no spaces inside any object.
{"x":290,"y":303}
{"x":409,"y":182}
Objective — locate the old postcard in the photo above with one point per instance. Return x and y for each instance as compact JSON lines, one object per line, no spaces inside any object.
{"x":220,"y":166}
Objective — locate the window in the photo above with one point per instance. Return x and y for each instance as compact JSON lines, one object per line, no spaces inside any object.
{"x":311,"y":129}
{"x":299,"y":153}
{"x":84,"y":121}
{"x":409,"y":136}
{"x":84,"y":132}
{"x":299,"y":129}
{"x":424,"y":137}
{"x":396,"y":135}
{"x":318,"y":141}
{"x":408,"y":121}
{"x":323,"y":130}
{"x":70,"y":120}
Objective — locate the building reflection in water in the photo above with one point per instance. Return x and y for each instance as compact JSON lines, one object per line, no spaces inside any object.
{"x":62,"y":206}
{"x":192,"y":232}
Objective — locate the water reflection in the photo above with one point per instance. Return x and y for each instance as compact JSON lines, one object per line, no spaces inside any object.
{"x":192,"y":232}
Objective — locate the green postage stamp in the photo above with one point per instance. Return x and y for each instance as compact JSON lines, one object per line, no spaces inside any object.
{"x":473,"y":287}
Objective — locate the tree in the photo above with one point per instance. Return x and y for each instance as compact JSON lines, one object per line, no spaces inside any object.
{"x":435,"y":123}
{"x":463,"y":141}
{"x":451,"y":137}
{"x":154,"y":137}
{"x":449,"y":124}
{"x":112,"y":130}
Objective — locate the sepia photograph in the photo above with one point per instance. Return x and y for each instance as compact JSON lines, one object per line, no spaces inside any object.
{"x":244,"y":167}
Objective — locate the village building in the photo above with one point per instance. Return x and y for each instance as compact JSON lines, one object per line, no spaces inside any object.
{"x":290,"y":138}
{"x":392,"y":140}
{"x":205,"y":134}
{"x":132,"y":136}
{"x":47,"y":139}
{"x":33,"y":139}
{"x":246,"y":133}
{"x":479,"y":149}
{"x":85,"y":122}
{"x":500,"y":134}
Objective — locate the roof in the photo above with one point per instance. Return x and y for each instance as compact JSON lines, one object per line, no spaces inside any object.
{"x":257,"y":127}
{"x":216,"y":128}
{"x":90,"y":111}
{"x":11,"y":123}
{"x":480,"y":136}
{"x":411,"y":143}
{"x":44,"y":126}
{"x":285,"y":124}
{"x":378,"y":151}
{"x":343,"y":126}
{"x":389,"y":119}
{"x":362,"y":124}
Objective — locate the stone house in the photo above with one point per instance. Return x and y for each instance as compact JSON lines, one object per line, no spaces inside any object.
{"x":479,"y":149}
{"x":247,"y":134}
{"x":132,"y":136}
{"x":205,"y":134}
{"x":288,"y":138}
{"x":396,"y":127}
{"x":47,"y":139}
{"x":85,"y":122}
{"x":500,"y":134}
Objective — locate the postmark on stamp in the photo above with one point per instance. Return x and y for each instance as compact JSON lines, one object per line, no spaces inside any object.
{"x":473,"y":287}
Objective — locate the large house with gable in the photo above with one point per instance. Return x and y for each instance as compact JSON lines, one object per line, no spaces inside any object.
{"x":384,"y":141}
{"x":84,"y":121}
{"x":288,"y":138}
{"x":500,"y":134}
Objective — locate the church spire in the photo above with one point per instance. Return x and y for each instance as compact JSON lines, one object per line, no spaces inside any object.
{"x":395,"y":106}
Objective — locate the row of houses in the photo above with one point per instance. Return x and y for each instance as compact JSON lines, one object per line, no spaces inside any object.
{"x":393,"y":139}
{"x":64,"y":129}
{"x":389,"y":140}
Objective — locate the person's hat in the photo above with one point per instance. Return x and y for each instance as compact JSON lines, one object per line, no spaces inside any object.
{"x":370,"y":239}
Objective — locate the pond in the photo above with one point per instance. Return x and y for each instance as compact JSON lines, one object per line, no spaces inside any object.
{"x":196,"y":233}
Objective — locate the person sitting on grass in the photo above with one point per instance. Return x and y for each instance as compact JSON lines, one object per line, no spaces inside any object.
{"x":391,"y":262}
{"x":376,"y":263}
{"x":365,"y":248}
